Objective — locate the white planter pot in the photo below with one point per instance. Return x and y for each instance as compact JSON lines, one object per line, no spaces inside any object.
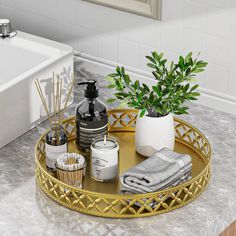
{"x":154,"y":133}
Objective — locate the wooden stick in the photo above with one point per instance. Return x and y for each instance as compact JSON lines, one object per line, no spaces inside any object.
{"x":57,"y":99}
{"x":68,"y":95}
{"x":60,"y":95}
{"x":41,"y":98}
{"x":54,"y":100}
{"x":38,"y":86}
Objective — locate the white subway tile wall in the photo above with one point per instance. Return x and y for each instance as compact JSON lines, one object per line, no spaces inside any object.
{"x":208,"y":26}
{"x":172,"y":37}
{"x":233,"y":23}
{"x":215,"y":78}
{"x":194,"y":15}
{"x":232,"y":55}
{"x":128,"y":53}
{"x":218,"y":23}
{"x":108,"y":46}
{"x":232,"y":81}
{"x":217,"y":50}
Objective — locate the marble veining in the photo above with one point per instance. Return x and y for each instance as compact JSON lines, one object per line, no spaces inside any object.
{"x":25,"y":210}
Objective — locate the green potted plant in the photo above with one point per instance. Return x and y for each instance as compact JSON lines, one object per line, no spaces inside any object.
{"x":157,"y":104}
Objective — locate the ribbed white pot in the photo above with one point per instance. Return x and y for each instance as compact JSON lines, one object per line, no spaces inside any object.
{"x":154,"y":133}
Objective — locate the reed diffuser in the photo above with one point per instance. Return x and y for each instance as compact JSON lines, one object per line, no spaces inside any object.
{"x":56,"y":138}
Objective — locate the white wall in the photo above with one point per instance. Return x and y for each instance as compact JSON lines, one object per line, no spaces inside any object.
{"x":107,"y":36}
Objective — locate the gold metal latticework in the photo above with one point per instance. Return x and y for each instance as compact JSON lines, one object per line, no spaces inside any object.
{"x":103,"y":199}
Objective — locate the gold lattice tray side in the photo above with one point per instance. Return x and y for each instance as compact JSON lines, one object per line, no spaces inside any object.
{"x":103,"y":199}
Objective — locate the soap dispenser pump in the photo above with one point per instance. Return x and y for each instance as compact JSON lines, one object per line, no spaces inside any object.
{"x":91,"y":117}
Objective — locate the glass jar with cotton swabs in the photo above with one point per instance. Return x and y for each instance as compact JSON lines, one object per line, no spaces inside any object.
{"x":71,"y":169}
{"x":56,"y":138}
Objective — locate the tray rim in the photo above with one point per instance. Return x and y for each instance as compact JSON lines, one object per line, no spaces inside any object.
{"x":129,"y":196}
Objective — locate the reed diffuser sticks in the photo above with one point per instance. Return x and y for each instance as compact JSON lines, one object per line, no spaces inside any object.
{"x":57,"y":113}
{"x":68,"y":97}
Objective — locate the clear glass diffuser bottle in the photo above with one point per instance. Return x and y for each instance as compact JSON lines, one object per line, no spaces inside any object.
{"x":56,"y":144}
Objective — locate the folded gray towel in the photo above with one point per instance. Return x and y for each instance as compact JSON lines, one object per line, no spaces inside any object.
{"x":164,"y":169}
{"x":174,"y":183}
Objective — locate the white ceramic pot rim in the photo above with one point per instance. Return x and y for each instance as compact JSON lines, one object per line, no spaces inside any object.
{"x":156,"y":117}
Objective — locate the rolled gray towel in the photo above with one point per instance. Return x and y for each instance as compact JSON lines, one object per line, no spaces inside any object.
{"x":164,"y":169}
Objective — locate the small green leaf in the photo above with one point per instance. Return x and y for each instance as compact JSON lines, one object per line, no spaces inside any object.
{"x":111,"y":100}
{"x":159,"y":110}
{"x":121,"y":94}
{"x":194,"y":87}
{"x":155,"y":55}
{"x":118,"y":70}
{"x":123,"y":104}
{"x":136,"y":85}
{"x":146,"y":87}
{"x":181,"y":62}
{"x":151,"y":59}
{"x":109,"y":79}
{"x":192,"y":98}
{"x":142,"y":112}
{"x":151,"y":65}
{"x":195,"y":94}
{"x":163,"y":62}
{"x":113,"y":75}
{"x":188,"y":56}
{"x":122,"y":71}
{"x":184,"y":108}
{"x":156,"y":75}
{"x":161,"y":55}
{"x":186,"y":87}
{"x":120,"y":84}
{"x":127,"y":79}
{"x":111,"y":86}
{"x":197,"y":70}
{"x":201,"y":64}
{"x":156,"y":90}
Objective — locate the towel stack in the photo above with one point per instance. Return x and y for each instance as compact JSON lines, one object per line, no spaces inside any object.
{"x":164,"y":169}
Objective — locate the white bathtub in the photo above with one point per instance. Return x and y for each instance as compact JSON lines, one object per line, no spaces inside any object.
{"x":22,"y":59}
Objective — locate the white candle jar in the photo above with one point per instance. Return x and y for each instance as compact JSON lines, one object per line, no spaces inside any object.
{"x":104,"y":158}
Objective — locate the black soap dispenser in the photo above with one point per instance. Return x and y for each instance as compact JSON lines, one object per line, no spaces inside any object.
{"x":91,"y":117}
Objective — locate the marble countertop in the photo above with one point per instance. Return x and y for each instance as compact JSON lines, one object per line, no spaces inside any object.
{"x":25,"y":210}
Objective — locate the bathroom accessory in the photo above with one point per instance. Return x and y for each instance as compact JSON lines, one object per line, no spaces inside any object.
{"x":30,"y":57}
{"x":154,"y":133}
{"x":162,"y":170}
{"x":55,"y":145}
{"x":5,"y":29}
{"x":104,"y":158}
{"x":166,"y":95}
{"x":71,"y":169}
{"x":104,"y":198}
{"x":91,"y":117}
{"x":56,"y":139}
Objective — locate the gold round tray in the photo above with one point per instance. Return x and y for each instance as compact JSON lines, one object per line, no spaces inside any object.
{"x":103,"y":198}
